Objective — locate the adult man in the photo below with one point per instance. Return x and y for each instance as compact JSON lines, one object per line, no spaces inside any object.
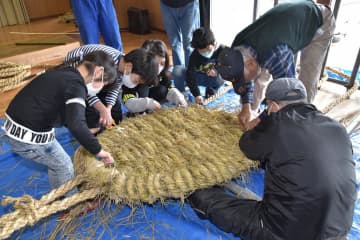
{"x":95,"y":17}
{"x":310,"y":187}
{"x":267,"y":47}
{"x":180,"y":19}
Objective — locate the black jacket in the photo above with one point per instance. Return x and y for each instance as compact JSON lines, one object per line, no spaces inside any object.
{"x":43,"y":104}
{"x":310,"y":186}
{"x":200,"y":65}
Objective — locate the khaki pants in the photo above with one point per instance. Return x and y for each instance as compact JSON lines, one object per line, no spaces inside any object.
{"x":311,"y":60}
{"x":313,"y":55}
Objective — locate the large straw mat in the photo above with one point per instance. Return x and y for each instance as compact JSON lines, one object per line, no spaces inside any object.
{"x":167,"y":154}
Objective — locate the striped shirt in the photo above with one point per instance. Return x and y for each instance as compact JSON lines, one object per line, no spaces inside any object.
{"x":74,"y":57}
{"x":279,"y":62}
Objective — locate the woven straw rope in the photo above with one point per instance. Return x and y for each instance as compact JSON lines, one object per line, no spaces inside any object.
{"x":28,"y":210}
{"x":168,"y":154}
{"x":13,"y":75}
{"x":218,"y":94}
{"x":342,"y":98}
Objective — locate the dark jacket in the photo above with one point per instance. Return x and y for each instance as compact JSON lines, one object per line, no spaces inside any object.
{"x":199,"y":64}
{"x":310,"y":186}
{"x":44,"y":104}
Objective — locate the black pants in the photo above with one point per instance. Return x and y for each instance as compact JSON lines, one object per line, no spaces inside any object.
{"x":93,"y":116}
{"x":229,"y":213}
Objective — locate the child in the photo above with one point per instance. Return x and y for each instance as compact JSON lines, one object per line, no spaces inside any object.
{"x":145,"y":98}
{"x":138,"y":66}
{"x":56,"y":98}
{"x":166,"y":89}
{"x":201,"y":69}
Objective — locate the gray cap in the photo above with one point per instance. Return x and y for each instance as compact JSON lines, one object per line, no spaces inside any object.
{"x":285,"y":89}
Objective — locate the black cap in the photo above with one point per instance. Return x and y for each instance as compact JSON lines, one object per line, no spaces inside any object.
{"x":230,"y":66}
{"x":285,"y":89}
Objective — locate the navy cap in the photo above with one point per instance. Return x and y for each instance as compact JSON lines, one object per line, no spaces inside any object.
{"x":230,"y":66}
{"x":285,"y":89}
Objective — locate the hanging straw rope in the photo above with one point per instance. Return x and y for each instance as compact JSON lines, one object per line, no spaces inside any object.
{"x":14,"y":75}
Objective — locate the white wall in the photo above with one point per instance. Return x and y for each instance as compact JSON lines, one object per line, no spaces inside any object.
{"x":228,"y":17}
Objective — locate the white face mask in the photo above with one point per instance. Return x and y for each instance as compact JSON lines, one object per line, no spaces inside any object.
{"x":90,"y":86}
{"x":128,"y":82}
{"x":161,"y":67}
{"x":91,"y":90}
{"x":207,"y":54}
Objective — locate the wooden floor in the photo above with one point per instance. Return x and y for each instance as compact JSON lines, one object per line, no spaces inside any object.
{"x":53,"y":32}
{"x":68,"y":35}
{"x":348,"y":111}
{"x":58,"y":38}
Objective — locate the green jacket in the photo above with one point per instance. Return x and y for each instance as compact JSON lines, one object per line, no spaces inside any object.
{"x":292,"y":23}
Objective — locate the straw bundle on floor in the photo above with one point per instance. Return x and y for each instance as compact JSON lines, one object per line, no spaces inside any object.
{"x":12,"y":75}
{"x":167,"y":154}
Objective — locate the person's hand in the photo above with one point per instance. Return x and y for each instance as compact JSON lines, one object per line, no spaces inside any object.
{"x":182,"y":102}
{"x":106,"y":158}
{"x":180,"y":99}
{"x":155,"y":105}
{"x":253,"y":123}
{"x":175,"y":96}
{"x":105,"y":117}
{"x":212,"y":73}
{"x":199,"y":100}
{"x":245,"y":115}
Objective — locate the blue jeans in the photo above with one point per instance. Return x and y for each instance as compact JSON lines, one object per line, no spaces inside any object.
{"x":179,"y":77}
{"x":180,"y":24}
{"x":211,"y":82}
{"x":52,"y":155}
{"x":94,"y":17}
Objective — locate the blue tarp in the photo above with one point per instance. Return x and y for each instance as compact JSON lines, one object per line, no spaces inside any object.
{"x":340,"y":78}
{"x":169,"y":220}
